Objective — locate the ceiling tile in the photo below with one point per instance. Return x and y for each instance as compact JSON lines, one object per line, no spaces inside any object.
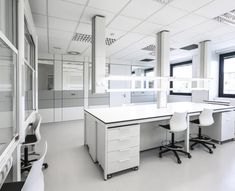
{"x":167,"y":15}
{"x":90,"y":12}
{"x":216,"y":8}
{"x":113,"y":33}
{"x":124,"y":23}
{"x":141,"y":9}
{"x":123,"y":43}
{"x":84,"y":28}
{"x":189,"y":5}
{"x":108,"y":5}
{"x":59,"y":39}
{"x":61,"y":24}
{"x":40,"y":20}
{"x":148,"y":28}
{"x":186,"y":22}
{"x":62,"y":9}
{"x":79,"y":46}
{"x":38,"y":6}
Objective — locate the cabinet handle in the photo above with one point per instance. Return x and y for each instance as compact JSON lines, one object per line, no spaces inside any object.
{"x":122,"y":150}
{"x":124,"y":160}
{"x":124,"y":139}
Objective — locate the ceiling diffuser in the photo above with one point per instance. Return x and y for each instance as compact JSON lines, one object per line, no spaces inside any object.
{"x":227,"y":18}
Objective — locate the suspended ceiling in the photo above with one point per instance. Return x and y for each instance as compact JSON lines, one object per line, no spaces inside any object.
{"x":133,"y":24}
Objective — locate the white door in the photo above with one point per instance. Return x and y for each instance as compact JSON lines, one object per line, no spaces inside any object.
{"x":120,"y":98}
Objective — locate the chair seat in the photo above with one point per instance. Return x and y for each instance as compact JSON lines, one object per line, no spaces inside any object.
{"x":165,"y":126}
{"x":196,"y":121}
{"x":12,"y":186}
{"x":30,"y":139}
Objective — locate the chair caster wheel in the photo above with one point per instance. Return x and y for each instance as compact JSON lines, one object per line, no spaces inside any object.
{"x":136,"y":168}
{"x":179,"y":161}
{"x":189,"y":156}
{"x":160,"y":156}
{"x":109,"y":176}
{"x":211,"y":152}
{"x":214,"y":147}
{"x":45,"y":165}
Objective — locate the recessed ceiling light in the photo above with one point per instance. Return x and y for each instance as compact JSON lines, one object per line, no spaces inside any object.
{"x":73,"y":52}
{"x":163,"y":1}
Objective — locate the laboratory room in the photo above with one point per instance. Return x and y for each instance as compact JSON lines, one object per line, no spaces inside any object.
{"x":117,"y":95}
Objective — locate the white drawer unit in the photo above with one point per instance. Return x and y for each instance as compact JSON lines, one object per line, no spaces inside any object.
{"x":123,"y":164}
{"x":123,"y":147}
{"x":123,"y":143}
{"x":223,"y":128}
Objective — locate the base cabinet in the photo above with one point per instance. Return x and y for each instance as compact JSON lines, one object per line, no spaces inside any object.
{"x":121,"y":151}
{"x":223,"y":128}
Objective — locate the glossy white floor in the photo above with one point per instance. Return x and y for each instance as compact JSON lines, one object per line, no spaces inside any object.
{"x":71,"y":168}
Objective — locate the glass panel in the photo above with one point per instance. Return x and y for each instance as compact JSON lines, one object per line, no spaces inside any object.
{"x":229,"y":76}
{"x":72,"y":76}
{"x":182,"y":71}
{"x":45,"y":76}
{"x":28,"y":91}
{"x":8,"y":12}
{"x":7,"y":95}
{"x":143,"y":71}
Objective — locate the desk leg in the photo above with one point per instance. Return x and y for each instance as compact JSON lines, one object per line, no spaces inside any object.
{"x":187,"y":136}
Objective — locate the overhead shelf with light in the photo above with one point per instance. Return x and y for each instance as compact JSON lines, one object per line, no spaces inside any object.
{"x":140,"y":83}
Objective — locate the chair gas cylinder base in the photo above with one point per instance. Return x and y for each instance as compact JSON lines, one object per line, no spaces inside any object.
{"x":178,"y":123}
{"x":205,"y":119}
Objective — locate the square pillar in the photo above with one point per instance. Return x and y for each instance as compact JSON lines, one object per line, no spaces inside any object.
{"x":162,"y":68}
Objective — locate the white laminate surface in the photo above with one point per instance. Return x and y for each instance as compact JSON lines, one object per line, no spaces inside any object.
{"x":133,"y":112}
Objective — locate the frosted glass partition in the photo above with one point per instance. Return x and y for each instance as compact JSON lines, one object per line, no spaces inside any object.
{"x":7,"y":95}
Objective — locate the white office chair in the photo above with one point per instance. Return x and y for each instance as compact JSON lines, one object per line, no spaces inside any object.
{"x":205,"y":120}
{"x":34,"y":181}
{"x":178,"y":123}
{"x":31,"y":140}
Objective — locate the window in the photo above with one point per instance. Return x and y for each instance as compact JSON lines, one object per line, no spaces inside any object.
{"x":8,"y":62}
{"x":182,"y":70}
{"x":29,"y":61}
{"x":8,"y":17}
{"x":227,"y":75}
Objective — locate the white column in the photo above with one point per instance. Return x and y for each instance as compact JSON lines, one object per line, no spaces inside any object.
{"x":20,"y":88}
{"x":98,"y":54}
{"x":202,"y":68}
{"x":86,"y":81}
{"x":162,"y":68}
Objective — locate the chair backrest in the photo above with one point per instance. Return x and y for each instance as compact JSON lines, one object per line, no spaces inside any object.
{"x":37,"y":125}
{"x":178,"y":122}
{"x":206,"y":117}
{"x":35,"y":179}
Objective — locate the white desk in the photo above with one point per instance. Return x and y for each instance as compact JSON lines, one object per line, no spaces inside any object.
{"x":112,"y":134}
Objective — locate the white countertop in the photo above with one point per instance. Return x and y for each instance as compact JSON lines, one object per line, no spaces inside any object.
{"x":133,"y":112}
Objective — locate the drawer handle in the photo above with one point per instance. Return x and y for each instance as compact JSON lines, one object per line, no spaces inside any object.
{"x":124,"y":139}
{"x":124,"y":160}
{"x":122,"y":150}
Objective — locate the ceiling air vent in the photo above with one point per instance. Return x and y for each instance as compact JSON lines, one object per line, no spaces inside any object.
{"x":147,"y":60}
{"x":190,"y":47}
{"x":152,"y":48}
{"x":227,"y":18}
{"x":87,"y":38}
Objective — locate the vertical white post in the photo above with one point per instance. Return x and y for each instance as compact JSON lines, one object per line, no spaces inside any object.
{"x":98,"y":54}
{"x":20,"y":88}
{"x":202,"y":71}
{"x":162,"y":68}
{"x":86,"y":82}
